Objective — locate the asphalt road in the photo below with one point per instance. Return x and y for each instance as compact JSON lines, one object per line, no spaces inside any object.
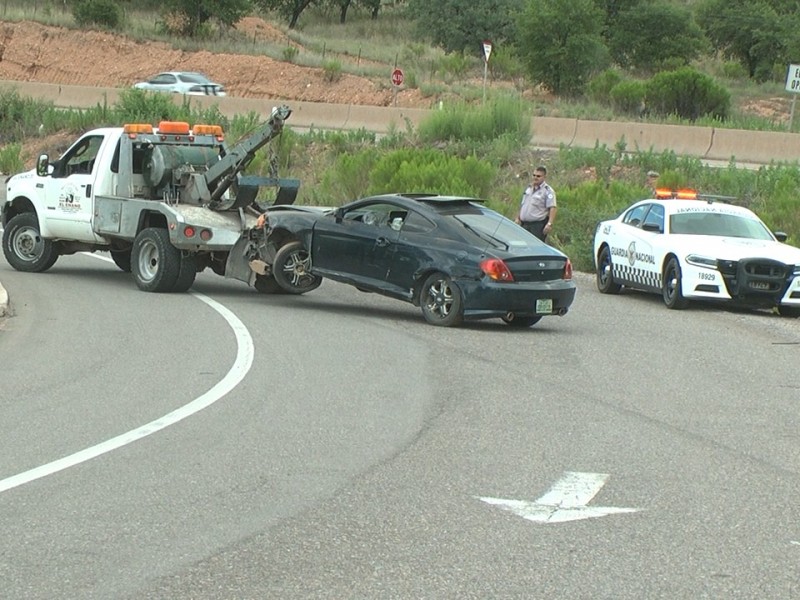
{"x":360,"y":453}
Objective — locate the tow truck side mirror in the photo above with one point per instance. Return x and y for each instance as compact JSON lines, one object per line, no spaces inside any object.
{"x":42,"y":164}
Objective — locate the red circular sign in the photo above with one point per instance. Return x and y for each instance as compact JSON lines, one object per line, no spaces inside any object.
{"x":397,"y":77}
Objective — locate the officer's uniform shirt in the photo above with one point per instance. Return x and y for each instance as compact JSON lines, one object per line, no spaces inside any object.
{"x":537,"y":202}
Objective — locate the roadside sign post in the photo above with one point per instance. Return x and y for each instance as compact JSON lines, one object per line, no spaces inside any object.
{"x":793,"y":86}
{"x":397,"y":81}
{"x":487,"y":51}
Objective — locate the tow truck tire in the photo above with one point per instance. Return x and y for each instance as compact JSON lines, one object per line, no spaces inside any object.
{"x":605,"y":273}
{"x":186,"y":273}
{"x":441,"y":301}
{"x":24,"y":247}
{"x":671,"y":286}
{"x":122,"y":258}
{"x":291,"y":269}
{"x":266,"y":284}
{"x":155,"y":263}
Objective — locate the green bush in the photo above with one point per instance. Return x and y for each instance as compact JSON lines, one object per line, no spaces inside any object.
{"x":290,"y":53}
{"x":599,"y":88}
{"x":627,"y":97}
{"x":104,"y":13}
{"x":11,"y":158}
{"x":332,"y":70}
{"x":433,"y":171}
{"x":687,"y":93}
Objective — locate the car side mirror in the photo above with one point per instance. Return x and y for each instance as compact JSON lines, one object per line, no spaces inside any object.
{"x":781,"y":236}
{"x":42,"y":164}
{"x":654,"y":227}
{"x":338,"y":214}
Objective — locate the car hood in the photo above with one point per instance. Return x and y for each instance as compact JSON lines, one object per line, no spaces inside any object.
{"x":740,"y":248}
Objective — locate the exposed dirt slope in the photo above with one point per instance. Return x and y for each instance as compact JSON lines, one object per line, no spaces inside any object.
{"x":33,"y":52}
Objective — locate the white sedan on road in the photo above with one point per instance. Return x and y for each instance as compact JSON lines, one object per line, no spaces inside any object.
{"x":182,"y":82}
{"x":686,"y":248}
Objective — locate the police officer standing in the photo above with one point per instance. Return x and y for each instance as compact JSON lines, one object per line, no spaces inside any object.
{"x":537,"y":212}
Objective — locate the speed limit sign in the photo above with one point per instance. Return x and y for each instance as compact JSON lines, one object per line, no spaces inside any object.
{"x":397,"y":77}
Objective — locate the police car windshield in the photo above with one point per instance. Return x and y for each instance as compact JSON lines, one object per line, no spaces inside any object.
{"x":716,"y":224}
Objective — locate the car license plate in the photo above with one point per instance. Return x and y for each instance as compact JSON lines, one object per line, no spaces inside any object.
{"x":544,"y":306}
{"x":759,"y":285}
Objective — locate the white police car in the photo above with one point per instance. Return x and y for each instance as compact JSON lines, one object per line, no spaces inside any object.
{"x":689,"y":248}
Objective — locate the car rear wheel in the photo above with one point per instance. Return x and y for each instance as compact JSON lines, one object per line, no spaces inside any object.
{"x":24,"y":248}
{"x":292,"y":269}
{"x":605,"y":274}
{"x":513,"y":320}
{"x":671,"y":287}
{"x":441,"y":302}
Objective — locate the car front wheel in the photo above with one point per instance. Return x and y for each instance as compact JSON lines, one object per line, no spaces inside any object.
{"x":672,"y":287}
{"x":292,"y":269}
{"x":605,"y":274}
{"x":441,"y":301}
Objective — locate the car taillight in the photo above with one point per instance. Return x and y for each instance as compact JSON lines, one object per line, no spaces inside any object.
{"x":567,"y":270}
{"x":496,"y":269}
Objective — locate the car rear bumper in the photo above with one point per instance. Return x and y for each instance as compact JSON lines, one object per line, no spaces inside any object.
{"x":486,"y":299}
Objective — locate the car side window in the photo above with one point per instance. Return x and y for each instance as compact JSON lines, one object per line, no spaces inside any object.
{"x":80,"y":158}
{"x":416,"y":223}
{"x":654,"y":220}
{"x":635,"y":215}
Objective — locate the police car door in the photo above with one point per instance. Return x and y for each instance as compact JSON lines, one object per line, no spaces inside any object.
{"x":633,"y":257}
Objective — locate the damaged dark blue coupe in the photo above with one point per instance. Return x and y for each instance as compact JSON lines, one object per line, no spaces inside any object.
{"x":451,"y":256}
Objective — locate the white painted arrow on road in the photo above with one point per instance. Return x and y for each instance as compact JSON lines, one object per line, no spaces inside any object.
{"x":566,"y":501}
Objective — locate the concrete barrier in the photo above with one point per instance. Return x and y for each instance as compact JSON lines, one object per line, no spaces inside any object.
{"x":760,"y":147}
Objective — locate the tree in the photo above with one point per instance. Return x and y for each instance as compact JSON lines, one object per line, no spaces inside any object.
{"x":192,"y":14}
{"x":458,"y":25}
{"x":343,"y":5}
{"x":750,"y":31}
{"x":561,"y":43}
{"x":290,"y":9}
{"x":649,"y":35}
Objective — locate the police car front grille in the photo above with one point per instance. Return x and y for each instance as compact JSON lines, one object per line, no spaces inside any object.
{"x":770,"y":270}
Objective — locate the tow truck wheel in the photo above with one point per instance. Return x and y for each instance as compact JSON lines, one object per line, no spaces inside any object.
{"x":122,"y":258}
{"x":155,"y":262}
{"x":671,"y":287}
{"x":24,"y":248}
{"x":605,"y":274}
{"x":186,"y":273}
{"x":292,"y":269}
{"x":441,"y":302}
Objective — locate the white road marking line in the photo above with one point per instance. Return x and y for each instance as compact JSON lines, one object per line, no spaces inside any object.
{"x":566,"y":501}
{"x":244,"y":361}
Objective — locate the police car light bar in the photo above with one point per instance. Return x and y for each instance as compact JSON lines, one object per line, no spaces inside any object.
{"x":683,"y":194}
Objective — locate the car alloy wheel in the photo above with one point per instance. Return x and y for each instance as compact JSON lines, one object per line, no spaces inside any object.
{"x":441,"y":302}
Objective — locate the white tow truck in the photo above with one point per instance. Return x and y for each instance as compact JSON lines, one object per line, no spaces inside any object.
{"x":167,"y":202}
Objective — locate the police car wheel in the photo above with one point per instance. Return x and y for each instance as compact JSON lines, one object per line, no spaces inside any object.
{"x":791,"y":312}
{"x":672,"y":289}
{"x":605,"y":275}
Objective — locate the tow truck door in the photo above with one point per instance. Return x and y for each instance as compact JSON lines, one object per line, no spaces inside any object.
{"x":69,"y":190}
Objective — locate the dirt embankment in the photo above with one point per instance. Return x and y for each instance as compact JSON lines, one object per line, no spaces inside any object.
{"x":33,"y":52}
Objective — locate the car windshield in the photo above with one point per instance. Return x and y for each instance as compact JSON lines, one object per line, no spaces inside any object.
{"x":495,"y":229}
{"x":718,"y":224}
